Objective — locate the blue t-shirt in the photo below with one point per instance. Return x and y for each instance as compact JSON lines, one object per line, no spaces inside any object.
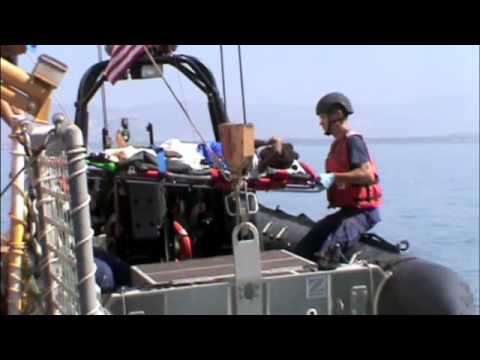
{"x":358,"y":154}
{"x":357,"y":151}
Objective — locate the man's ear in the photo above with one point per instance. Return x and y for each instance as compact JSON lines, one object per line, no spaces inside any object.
{"x":335,"y":116}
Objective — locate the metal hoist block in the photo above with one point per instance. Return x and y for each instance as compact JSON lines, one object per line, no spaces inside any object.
{"x":248,"y":271}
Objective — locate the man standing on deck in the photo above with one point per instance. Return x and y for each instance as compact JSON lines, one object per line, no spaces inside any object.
{"x":352,"y":184}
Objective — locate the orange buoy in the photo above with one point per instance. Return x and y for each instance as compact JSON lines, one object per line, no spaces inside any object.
{"x":185,"y":241}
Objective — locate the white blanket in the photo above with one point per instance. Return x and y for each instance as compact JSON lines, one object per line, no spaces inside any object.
{"x":118,"y":154}
{"x":190,"y":155}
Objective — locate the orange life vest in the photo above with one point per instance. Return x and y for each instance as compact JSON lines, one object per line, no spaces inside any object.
{"x":343,"y":195}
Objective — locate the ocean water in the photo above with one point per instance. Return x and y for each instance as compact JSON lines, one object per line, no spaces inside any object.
{"x":431,"y":199}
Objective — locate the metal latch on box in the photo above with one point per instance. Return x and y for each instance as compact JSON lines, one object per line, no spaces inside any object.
{"x":359,"y":300}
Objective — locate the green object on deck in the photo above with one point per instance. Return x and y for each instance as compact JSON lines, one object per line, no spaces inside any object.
{"x":108,"y":166}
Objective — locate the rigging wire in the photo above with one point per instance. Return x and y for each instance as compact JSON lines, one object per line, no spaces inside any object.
{"x":224,"y":89}
{"x":241,"y":84}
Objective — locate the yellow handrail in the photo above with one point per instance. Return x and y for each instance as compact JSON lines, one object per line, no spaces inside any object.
{"x":22,"y":93}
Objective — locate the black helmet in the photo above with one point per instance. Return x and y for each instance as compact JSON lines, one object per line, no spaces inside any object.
{"x":325,"y":104}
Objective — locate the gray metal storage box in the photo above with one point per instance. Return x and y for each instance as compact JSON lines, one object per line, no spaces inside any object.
{"x":290,"y":286}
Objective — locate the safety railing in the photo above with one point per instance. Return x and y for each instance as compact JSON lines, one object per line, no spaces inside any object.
{"x":59,"y":179}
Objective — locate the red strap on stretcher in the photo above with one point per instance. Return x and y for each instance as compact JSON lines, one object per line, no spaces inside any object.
{"x":310,"y":170}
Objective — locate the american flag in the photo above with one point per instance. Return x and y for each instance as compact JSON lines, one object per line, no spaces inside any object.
{"x":123,"y":56}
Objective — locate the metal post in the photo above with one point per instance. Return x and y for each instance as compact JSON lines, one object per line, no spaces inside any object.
{"x":80,"y":213}
{"x":104,"y":97}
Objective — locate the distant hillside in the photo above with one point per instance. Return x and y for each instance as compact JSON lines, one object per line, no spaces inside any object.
{"x":424,"y":121}
{"x":453,"y":138}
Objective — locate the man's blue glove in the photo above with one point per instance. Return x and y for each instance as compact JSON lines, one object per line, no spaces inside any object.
{"x":327,"y":180}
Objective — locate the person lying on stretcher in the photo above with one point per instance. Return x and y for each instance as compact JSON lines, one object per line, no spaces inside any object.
{"x":273,"y":153}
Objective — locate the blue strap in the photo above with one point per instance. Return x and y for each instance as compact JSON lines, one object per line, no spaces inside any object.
{"x":161,"y":161}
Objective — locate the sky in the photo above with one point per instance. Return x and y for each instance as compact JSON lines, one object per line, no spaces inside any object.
{"x":396,"y":91}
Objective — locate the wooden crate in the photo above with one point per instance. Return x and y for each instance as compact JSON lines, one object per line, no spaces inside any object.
{"x":238,"y":144}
